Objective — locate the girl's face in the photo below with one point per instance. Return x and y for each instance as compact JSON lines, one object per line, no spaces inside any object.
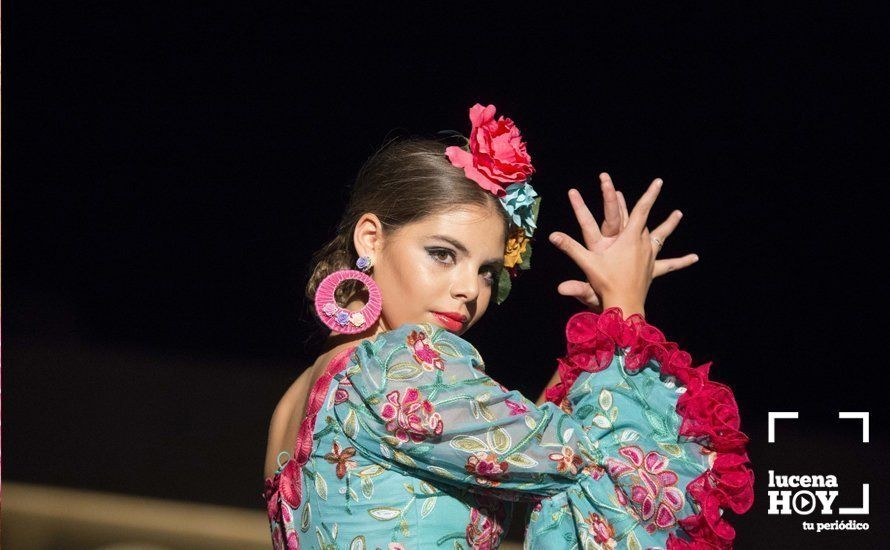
{"x":441,"y":269}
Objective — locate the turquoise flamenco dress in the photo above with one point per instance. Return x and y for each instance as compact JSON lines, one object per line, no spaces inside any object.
{"x":669,"y":440}
{"x":407,"y":443}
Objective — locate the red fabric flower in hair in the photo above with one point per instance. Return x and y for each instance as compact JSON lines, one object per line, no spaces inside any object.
{"x":497,"y":155}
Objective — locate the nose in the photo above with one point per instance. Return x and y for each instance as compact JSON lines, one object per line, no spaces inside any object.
{"x":465,"y":286}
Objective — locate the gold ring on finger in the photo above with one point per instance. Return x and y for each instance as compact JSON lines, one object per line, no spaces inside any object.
{"x":658,"y":241}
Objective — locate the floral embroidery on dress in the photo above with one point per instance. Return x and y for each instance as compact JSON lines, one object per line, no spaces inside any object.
{"x":409,"y":417}
{"x":603,"y":533}
{"x":425,"y":355}
{"x":567,"y":461}
{"x":341,"y":396}
{"x":594,"y":470}
{"x":487,"y":469}
{"x":701,"y":421}
{"x":343,"y":459}
{"x":486,"y":519}
{"x":651,"y":481}
{"x":516,"y":408}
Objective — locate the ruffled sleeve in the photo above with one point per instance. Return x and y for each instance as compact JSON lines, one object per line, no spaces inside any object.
{"x":670,"y":436}
{"x":417,"y":399}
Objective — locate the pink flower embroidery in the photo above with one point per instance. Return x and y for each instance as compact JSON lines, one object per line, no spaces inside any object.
{"x":486,"y":523}
{"x":486,"y":468}
{"x":567,"y":461}
{"x":425,"y":355}
{"x":603,"y":533}
{"x":341,"y":396}
{"x":516,"y":408}
{"x":594,"y":470}
{"x":410,"y":418}
{"x":651,"y":482}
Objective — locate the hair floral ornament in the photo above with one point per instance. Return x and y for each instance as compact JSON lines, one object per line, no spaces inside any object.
{"x":495,"y":157}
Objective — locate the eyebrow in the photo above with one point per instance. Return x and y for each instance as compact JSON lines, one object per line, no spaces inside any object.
{"x":458,"y":245}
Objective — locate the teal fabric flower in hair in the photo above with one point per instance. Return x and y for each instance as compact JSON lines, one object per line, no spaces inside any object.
{"x":521,"y":203}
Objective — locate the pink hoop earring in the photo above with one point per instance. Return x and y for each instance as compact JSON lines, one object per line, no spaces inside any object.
{"x":340,"y":319}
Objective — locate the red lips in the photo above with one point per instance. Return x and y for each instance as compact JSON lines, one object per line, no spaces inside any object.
{"x":452,"y":321}
{"x":452,"y":315}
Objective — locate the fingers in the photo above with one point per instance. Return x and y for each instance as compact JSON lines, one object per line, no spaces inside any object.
{"x":612,"y":224}
{"x":580,"y":290}
{"x":640,"y":213}
{"x":665,"y":229}
{"x":623,"y":206}
{"x":673,"y":264}
{"x":589,"y":229}
{"x":572,"y":248}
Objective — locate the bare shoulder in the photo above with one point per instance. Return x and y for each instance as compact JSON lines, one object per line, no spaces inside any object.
{"x":284,"y":418}
{"x":288,"y":413}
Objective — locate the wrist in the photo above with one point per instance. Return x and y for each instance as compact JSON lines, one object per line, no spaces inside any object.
{"x":628,"y":307}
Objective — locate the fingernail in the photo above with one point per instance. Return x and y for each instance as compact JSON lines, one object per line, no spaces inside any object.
{"x":695,"y":258}
{"x":659,"y":181}
{"x":679,"y":214}
{"x":555,"y":239}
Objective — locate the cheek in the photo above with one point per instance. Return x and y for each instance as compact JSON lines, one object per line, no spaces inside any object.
{"x":409,"y":284}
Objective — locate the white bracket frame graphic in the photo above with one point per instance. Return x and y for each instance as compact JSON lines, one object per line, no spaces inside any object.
{"x":773,"y":416}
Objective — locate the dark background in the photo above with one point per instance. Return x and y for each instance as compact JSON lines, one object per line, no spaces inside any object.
{"x":168,"y":170}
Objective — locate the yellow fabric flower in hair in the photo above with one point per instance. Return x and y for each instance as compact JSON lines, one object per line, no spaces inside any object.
{"x":515,"y":247}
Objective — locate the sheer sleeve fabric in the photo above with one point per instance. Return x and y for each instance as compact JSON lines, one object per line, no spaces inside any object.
{"x":669,"y":436}
{"x":417,"y":399}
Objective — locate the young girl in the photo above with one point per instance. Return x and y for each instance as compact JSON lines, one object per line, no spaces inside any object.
{"x":402,"y":441}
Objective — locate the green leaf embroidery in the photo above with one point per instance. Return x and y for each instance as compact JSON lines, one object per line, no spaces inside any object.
{"x":446,"y":348}
{"x":428,"y":506}
{"x":305,"y":518}
{"x":403,"y":371}
{"x":321,"y":487}
{"x":370,"y":471}
{"x":468,"y":444}
{"x":367,"y":487}
{"x":350,"y":425}
{"x":499,"y":440}
{"x":602,"y":422}
{"x":442,"y":472}
{"x":605,"y":400}
{"x":404,"y":459}
{"x":530,"y":422}
{"x":632,"y":542}
{"x":384,"y":513}
{"x":521,"y":460}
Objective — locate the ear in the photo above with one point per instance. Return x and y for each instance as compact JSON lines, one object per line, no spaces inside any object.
{"x":368,"y":236}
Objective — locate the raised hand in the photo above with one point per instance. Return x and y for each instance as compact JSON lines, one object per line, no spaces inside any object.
{"x":597,"y":240}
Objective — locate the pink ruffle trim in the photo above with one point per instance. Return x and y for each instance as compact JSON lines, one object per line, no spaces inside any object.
{"x":287,"y":484}
{"x":709,"y":413}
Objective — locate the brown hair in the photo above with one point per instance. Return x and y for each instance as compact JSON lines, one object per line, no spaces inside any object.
{"x":404,"y":181}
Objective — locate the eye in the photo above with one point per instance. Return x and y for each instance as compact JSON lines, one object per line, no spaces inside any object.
{"x":441,"y":255}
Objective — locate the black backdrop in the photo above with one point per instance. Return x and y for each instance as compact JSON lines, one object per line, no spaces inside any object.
{"x":168,"y":171}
